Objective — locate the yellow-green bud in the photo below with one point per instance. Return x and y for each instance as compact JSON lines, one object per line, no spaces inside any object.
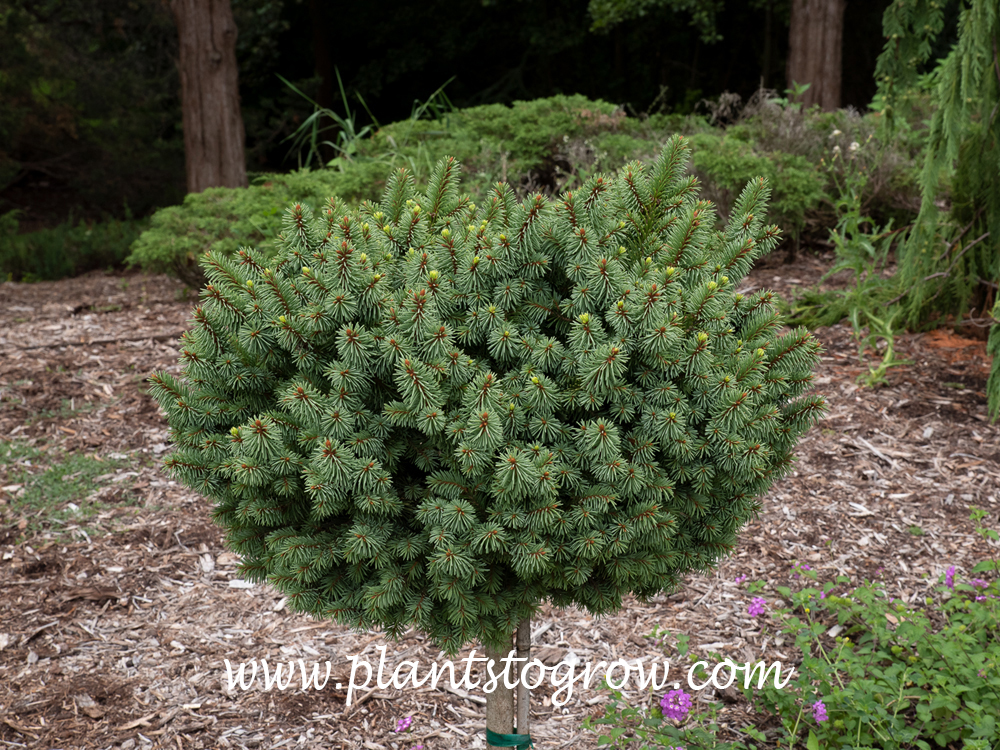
{"x":472,"y":227}
{"x":475,"y":259}
{"x":535,"y":380}
{"x":305,"y":270}
{"x":376,"y":277}
{"x":712,"y":286}
{"x":235,"y":431}
{"x":472,"y":206}
{"x":416,"y":210}
{"x":446,"y":233}
{"x":649,"y":259}
{"x":281,"y":318}
{"x":724,"y":280}
{"x":363,"y":257}
{"x":250,"y":283}
{"x":386,"y":228}
{"x":621,"y":250}
{"x":585,"y":318}
{"x":364,"y":227}
{"x":760,"y":352}
{"x":433,"y":275}
{"x":702,"y":337}
{"x":621,"y":304}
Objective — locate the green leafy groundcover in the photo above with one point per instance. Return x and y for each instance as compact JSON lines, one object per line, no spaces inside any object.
{"x":874,"y":672}
{"x":430,"y":412}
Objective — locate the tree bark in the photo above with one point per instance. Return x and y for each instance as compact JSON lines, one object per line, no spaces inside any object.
{"x":210,"y":98}
{"x":499,"y":703}
{"x":523,"y":642}
{"x":815,"y":50}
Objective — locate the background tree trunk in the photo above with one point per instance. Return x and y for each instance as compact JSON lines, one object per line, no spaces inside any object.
{"x":815,"y":50}
{"x":210,"y":98}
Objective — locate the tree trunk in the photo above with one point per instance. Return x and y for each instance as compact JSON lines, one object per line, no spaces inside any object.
{"x":499,"y":703}
{"x":815,"y":50}
{"x":210,"y":98}
{"x":523,"y":642}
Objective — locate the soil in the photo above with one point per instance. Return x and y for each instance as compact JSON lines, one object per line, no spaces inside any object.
{"x":114,"y":631}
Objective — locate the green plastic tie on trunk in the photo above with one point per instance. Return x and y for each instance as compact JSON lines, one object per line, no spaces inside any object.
{"x":519,"y":741}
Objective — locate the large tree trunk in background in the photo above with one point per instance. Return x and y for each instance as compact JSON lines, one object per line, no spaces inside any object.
{"x":210,"y":97}
{"x":815,"y":50}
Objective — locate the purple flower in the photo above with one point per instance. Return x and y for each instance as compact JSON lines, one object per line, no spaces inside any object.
{"x":404,"y":724}
{"x":980,"y":598}
{"x":819,"y":711}
{"x":978,"y":583}
{"x":757,"y":606}
{"x":822,"y":595}
{"x":676,"y":704}
{"x":949,"y":578}
{"x":741,"y":579}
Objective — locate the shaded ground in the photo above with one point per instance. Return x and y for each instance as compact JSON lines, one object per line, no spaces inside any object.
{"x":120,"y":604}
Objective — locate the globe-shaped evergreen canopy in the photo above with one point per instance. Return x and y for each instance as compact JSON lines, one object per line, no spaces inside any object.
{"x":427,"y":412}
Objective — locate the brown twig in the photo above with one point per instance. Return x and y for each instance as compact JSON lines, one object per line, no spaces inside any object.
{"x":961,"y":234}
{"x":944,"y":273}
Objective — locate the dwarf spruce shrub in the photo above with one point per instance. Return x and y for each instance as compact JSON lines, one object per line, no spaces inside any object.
{"x":436,"y":413}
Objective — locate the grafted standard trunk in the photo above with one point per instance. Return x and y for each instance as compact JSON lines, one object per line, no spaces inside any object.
{"x":499,"y":703}
{"x":503,"y":703}
{"x":815,"y":50}
{"x":210,"y":97}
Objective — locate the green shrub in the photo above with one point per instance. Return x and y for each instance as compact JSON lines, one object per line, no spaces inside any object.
{"x":522,"y":143}
{"x":728,"y":163}
{"x":427,"y":412}
{"x":65,"y":250}
{"x":225,"y":219}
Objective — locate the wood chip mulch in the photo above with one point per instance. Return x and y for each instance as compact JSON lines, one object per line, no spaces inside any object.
{"x":114,"y":631}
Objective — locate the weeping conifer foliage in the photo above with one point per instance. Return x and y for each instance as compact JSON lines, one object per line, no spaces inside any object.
{"x":427,"y":412}
{"x":950,"y":257}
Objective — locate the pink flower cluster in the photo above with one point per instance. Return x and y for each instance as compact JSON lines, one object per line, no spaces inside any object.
{"x":676,"y":704}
